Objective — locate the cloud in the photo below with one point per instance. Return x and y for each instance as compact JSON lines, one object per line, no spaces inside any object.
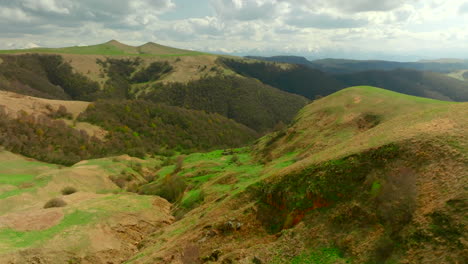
{"x":302,"y":27}
{"x":366,"y":5}
{"x":349,"y":6}
{"x":247,"y":10}
{"x":47,"y":6}
{"x":65,"y":13}
{"x":463,"y":8}
{"x":14,"y":14}
{"x":323,"y":21}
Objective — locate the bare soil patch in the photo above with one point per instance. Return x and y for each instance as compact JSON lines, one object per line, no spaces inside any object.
{"x":32,"y":220}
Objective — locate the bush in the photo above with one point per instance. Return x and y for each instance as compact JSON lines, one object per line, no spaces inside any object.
{"x":235,"y":160}
{"x":69,"y":190}
{"x":171,"y":189}
{"x":55,"y":202}
{"x":179,"y":164}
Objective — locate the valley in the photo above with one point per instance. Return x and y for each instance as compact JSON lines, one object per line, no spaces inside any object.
{"x":119,"y":154}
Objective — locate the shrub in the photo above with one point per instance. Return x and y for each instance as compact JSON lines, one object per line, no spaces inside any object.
{"x":55,"y":202}
{"x":179,"y":164}
{"x":171,"y":189}
{"x":69,"y":190}
{"x":235,"y":160}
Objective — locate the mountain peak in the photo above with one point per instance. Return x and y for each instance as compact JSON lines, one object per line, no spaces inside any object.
{"x":150,"y":44}
{"x":114,"y":42}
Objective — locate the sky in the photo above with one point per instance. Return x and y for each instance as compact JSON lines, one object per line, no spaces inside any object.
{"x":401,"y":30}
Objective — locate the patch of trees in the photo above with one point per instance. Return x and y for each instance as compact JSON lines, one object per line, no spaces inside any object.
{"x":136,"y":128}
{"x":47,"y":140}
{"x":122,"y":75}
{"x":245,"y":100}
{"x":297,"y":79}
{"x":119,"y":72}
{"x":465,"y":75}
{"x":46,"y":75}
{"x":140,"y":127}
{"x":153,"y":72}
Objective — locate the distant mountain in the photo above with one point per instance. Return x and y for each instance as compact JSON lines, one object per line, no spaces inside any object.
{"x":298,"y":79}
{"x":304,"y":80}
{"x":350,"y":66}
{"x":411,"y":82}
{"x":112,"y":47}
{"x":284,"y":59}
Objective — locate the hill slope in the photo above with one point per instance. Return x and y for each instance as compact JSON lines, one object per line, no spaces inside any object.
{"x":112,"y":47}
{"x":361,"y":176}
{"x":343,"y":66}
{"x":297,"y":79}
{"x":96,"y":225}
{"x":193,"y":81}
{"x":46,"y":130}
{"x":245,"y":100}
{"x":407,"y":78}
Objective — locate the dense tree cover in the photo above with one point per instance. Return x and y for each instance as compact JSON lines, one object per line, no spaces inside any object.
{"x":45,"y":75}
{"x":245,"y":100}
{"x":152,"y":73}
{"x":119,"y":71}
{"x":136,"y":128}
{"x":297,"y":79}
{"x":46,"y":139}
{"x":412,"y":82}
{"x":123,"y":73}
{"x":139,"y":127}
{"x":304,"y":80}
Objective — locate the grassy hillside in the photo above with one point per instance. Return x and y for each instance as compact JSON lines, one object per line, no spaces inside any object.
{"x":112,"y":48}
{"x":96,"y":219}
{"x":461,"y":75}
{"x":361,"y":176}
{"x":193,"y":82}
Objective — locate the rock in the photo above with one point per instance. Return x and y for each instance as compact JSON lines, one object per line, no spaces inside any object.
{"x":213,"y":257}
{"x":230,"y":226}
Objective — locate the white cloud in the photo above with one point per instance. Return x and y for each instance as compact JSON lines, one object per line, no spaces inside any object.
{"x":303,"y":27}
{"x":463,"y":8}
{"x":61,"y":7}
{"x":14,"y":14}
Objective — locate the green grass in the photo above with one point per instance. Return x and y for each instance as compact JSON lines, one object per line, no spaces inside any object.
{"x":373,"y":92}
{"x":192,"y":198}
{"x":94,"y":211}
{"x":375,"y":188}
{"x":18,"y":239}
{"x":15,"y":179}
{"x":322,"y":256}
{"x":36,"y":183}
{"x":326,"y":255}
{"x":103,"y":49}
